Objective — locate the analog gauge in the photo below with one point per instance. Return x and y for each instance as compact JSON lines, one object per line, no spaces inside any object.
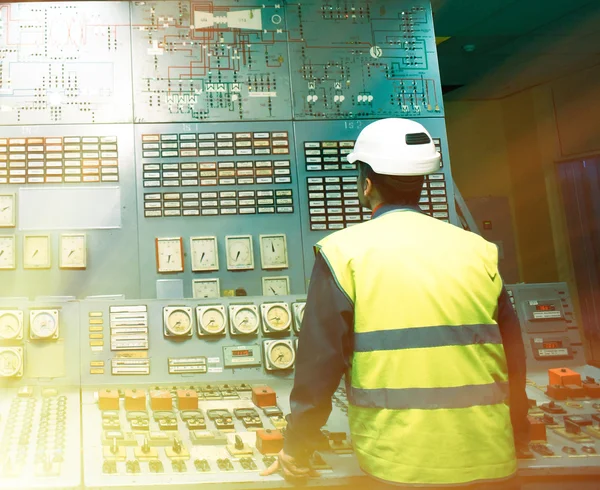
{"x":276,"y":317}
{"x":72,"y":252}
{"x":7,"y":252}
{"x":178,"y":321}
{"x":298,"y":315}
{"x":276,"y":286}
{"x":11,"y":362}
{"x":273,"y":251}
{"x":245,"y":320}
{"x":280,"y":354}
{"x":204,"y":253}
{"x":36,"y":252}
{"x":7,"y":211}
{"x":240,"y":255}
{"x":169,"y":255}
{"x":11,"y":325}
{"x":211,"y":320}
{"x":206,"y":288}
{"x":43,"y":324}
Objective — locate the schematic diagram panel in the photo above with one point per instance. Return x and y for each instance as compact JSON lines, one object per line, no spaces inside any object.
{"x":218,"y":209}
{"x":195,"y":61}
{"x":363,"y":59}
{"x":329,"y":197}
{"x":65,"y":63}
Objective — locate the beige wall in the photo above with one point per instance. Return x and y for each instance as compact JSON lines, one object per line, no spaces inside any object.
{"x":478,"y":148}
{"x":509,"y":147}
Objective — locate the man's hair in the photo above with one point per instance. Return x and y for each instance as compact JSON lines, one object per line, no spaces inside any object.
{"x":393,"y":189}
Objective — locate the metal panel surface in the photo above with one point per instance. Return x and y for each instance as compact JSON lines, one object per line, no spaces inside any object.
{"x":112,"y":265}
{"x":65,"y":63}
{"x":202,"y":192}
{"x":363,"y":60}
{"x":211,"y":61}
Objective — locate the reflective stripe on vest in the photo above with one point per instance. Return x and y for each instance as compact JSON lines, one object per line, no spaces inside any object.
{"x":414,"y":338}
{"x":429,"y":398}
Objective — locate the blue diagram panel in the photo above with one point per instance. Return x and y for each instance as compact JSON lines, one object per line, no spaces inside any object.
{"x":363,"y":59}
{"x":328,"y":183}
{"x":65,"y":63}
{"x":218,"y":180}
{"x":209,"y":61}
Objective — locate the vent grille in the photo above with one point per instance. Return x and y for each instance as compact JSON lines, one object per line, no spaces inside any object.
{"x":417,"y":139}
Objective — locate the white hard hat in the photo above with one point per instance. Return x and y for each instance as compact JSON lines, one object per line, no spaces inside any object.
{"x":396,"y":147}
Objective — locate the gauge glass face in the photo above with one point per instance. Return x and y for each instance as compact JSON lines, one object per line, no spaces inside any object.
{"x":239,"y":253}
{"x":179,"y":322}
{"x":10,"y":363}
{"x":281,"y":355}
{"x":246,"y":320}
{"x":213,"y":321}
{"x":10,"y":326}
{"x":73,"y":251}
{"x":278,"y":318}
{"x":7,"y":211}
{"x":299,"y":315}
{"x":36,"y":252}
{"x":7,"y":252}
{"x":168,"y":254}
{"x":44,"y":325}
{"x":204,"y":254}
{"x":206,"y":288}
{"x":273,"y":250}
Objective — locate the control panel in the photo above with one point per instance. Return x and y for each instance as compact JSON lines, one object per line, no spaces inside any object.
{"x":564,"y":392}
{"x":40,"y":405}
{"x":186,"y":392}
{"x":194,"y":392}
{"x":209,"y":120}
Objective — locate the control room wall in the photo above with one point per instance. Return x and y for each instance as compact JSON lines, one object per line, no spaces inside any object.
{"x":510,"y":148}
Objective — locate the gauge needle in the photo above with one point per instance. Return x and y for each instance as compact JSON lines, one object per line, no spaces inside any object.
{"x":169,"y":259}
{"x":272,"y":290}
{"x":245,"y":320}
{"x":35,"y":253}
{"x":1,"y":253}
{"x":272,"y":247}
{"x":238,"y":255}
{"x":71,"y":252}
{"x":202,"y":257}
{"x":212,"y":321}
{"x":4,"y":209}
{"x":280,"y":357}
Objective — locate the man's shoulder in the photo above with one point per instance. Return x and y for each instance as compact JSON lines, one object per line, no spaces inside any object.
{"x":343,"y":236}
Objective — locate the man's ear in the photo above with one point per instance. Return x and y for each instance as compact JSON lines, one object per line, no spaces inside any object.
{"x":368,"y":187}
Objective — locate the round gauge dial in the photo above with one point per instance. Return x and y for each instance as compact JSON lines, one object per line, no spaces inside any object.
{"x":212,"y":321}
{"x":246,"y":320}
{"x":277,"y":318}
{"x":178,"y":323}
{"x":281,"y":355}
{"x":10,"y":363}
{"x":44,"y":325}
{"x":10,"y":326}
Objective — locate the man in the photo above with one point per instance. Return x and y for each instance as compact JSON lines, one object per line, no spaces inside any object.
{"x":414,"y":311}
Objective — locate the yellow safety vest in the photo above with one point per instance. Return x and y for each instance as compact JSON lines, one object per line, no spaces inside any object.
{"x":428,"y":384}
